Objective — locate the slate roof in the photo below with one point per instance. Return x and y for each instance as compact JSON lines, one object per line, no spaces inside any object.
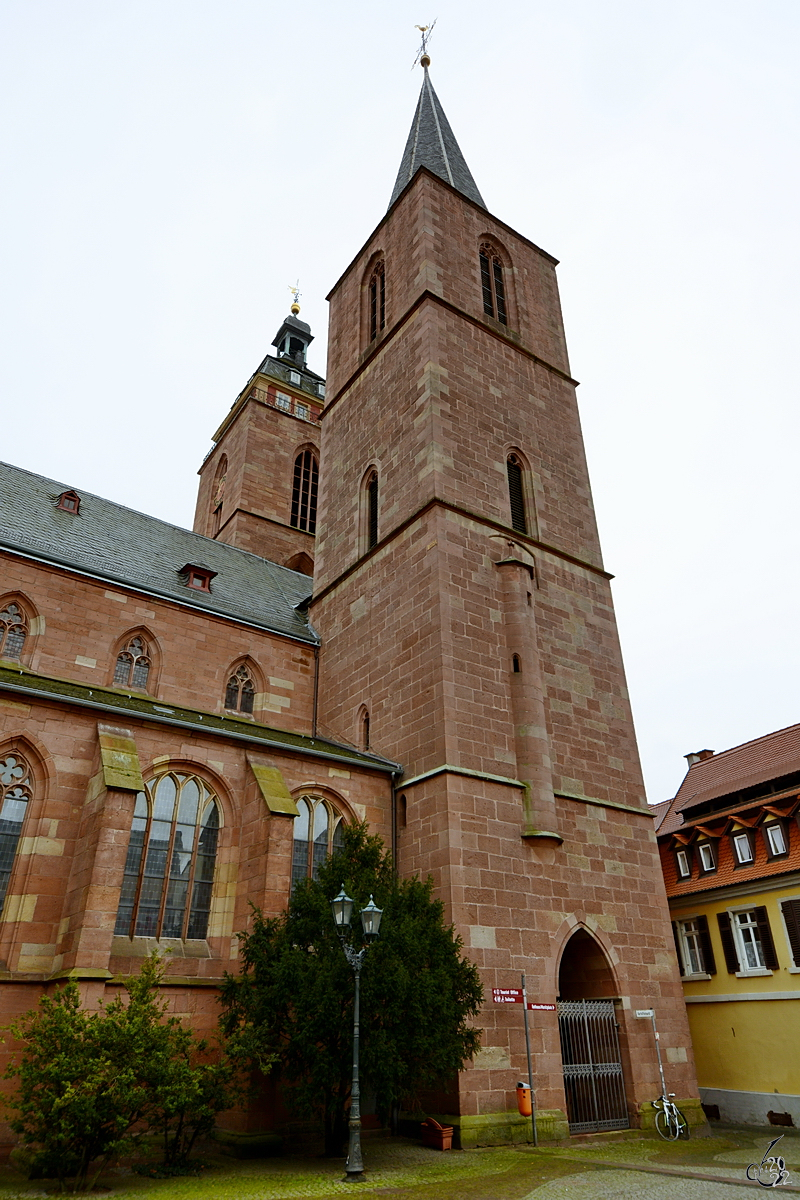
{"x":128,"y":547}
{"x":432,"y":144}
{"x":731,"y":771}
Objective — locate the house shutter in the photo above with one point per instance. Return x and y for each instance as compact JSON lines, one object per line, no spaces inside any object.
{"x":709,"y":966}
{"x":728,"y":944}
{"x":767,"y":944}
{"x":678,"y":947}
{"x":791,"y":915}
{"x":516,"y":496}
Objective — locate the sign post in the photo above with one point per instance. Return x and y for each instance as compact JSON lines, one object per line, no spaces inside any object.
{"x":520,"y":996}
{"x":530,"y":1069}
{"x":643,"y":1014}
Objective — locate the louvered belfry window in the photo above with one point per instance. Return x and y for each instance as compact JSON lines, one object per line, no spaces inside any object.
{"x":377,"y":300}
{"x":516,"y":494}
{"x":240,"y":692}
{"x":492,"y":284}
{"x":169,"y":871}
{"x":304,"y":492}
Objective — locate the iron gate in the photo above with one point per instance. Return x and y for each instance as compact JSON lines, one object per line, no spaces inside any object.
{"x":592,"y":1067}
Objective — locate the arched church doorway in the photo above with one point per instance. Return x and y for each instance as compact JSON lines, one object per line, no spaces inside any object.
{"x":590,"y":1051}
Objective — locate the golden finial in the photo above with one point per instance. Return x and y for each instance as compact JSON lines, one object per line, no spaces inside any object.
{"x":296,"y":293}
{"x":423,"y":58}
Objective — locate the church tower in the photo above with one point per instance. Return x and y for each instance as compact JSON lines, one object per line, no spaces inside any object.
{"x":259,"y":484}
{"x":468,"y":633}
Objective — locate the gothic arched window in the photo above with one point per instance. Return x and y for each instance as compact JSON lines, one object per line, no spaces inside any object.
{"x":516,"y":494}
{"x":377,"y":300}
{"x":492,"y":285}
{"x":133,"y":664}
{"x":304,"y":492}
{"x":169,"y":871}
{"x":240,"y":692}
{"x":13,"y":630}
{"x":16,"y":789}
{"x":317,"y":833}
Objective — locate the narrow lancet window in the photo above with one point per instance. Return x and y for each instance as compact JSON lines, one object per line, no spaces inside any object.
{"x":492,"y":284}
{"x":377,"y":301}
{"x":372,"y":510}
{"x":304,"y":492}
{"x":516,"y":494}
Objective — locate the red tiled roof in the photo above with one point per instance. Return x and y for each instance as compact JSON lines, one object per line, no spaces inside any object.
{"x":744,"y":766}
{"x":727,"y":872}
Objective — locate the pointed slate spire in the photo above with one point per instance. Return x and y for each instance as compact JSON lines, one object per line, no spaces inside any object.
{"x":432,"y":144}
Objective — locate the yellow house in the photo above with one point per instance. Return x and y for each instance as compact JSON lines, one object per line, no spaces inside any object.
{"x":730,"y":853}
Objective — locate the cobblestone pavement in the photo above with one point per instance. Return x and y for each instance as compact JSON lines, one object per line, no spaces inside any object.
{"x":628,"y":1167}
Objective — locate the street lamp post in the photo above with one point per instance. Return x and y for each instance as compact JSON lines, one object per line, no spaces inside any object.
{"x":371,"y":915}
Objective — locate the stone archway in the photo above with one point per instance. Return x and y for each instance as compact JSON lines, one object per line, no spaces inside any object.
{"x":590,"y":1050}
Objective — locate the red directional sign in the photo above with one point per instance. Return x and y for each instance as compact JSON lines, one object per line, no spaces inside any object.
{"x":514,"y":996}
{"x":507,"y":995}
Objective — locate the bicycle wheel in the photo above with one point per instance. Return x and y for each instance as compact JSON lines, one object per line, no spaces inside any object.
{"x":663,"y":1127}
{"x":666,"y":1125}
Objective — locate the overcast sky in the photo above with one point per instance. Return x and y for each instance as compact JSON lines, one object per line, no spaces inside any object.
{"x":171,"y":167}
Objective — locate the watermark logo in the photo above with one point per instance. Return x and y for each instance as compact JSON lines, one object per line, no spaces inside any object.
{"x":771,"y":1171}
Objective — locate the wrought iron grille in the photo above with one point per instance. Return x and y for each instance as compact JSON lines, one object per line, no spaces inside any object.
{"x":592,"y":1066}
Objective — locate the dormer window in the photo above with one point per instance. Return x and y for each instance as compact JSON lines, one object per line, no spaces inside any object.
{"x":776,"y":840}
{"x":197,"y":577}
{"x":742,"y":848}
{"x":682,"y":862}
{"x":707,"y":860}
{"x":69,"y":502}
{"x":321,"y":390}
{"x":294,"y":377}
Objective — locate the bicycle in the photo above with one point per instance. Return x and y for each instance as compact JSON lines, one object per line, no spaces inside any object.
{"x":670,"y":1121}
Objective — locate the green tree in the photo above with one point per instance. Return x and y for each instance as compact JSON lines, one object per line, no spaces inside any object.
{"x":293,"y":1000}
{"x":89,"y":1080}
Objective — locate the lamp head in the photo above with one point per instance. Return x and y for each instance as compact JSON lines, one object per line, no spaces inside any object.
{"x":371,"y":920}
{"x":342,"y":908}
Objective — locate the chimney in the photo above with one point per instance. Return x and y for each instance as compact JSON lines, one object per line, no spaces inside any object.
{"x":698,"y":756}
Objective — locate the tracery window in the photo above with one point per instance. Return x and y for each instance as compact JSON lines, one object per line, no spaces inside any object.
{"x":13,"y":631}
{"x":492,"y":284}
{"x":169,"y":871}
{"x":377,"y":300}
{"x":304,"y":492}
{"x":133,"y":665}
{"x":16,"y":789}
{"x":516,"y":494}
{"x":240,"y":692}
{"x":317,"y":833}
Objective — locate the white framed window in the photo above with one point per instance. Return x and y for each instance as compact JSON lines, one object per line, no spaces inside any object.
{"x":748,"y":939}
{"x":707,"y":858}
{"x":283,"y":401}
{"x":776,"y":839}
{"x":742,"y":848}
{"x":294,"y":376}
{"x":692,"y":947}
{"x":301,"y":410}
{"x":682,"y":859}
{"x":321,"y":389}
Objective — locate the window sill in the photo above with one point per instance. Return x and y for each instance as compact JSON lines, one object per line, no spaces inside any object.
{"x":140,"y":947}
{"x":751,"y":974}
{"x":793,"y":970}
{"x":699,"y":977}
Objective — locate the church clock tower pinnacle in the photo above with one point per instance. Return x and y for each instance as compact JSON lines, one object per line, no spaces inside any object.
{"x":467,"y":623}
